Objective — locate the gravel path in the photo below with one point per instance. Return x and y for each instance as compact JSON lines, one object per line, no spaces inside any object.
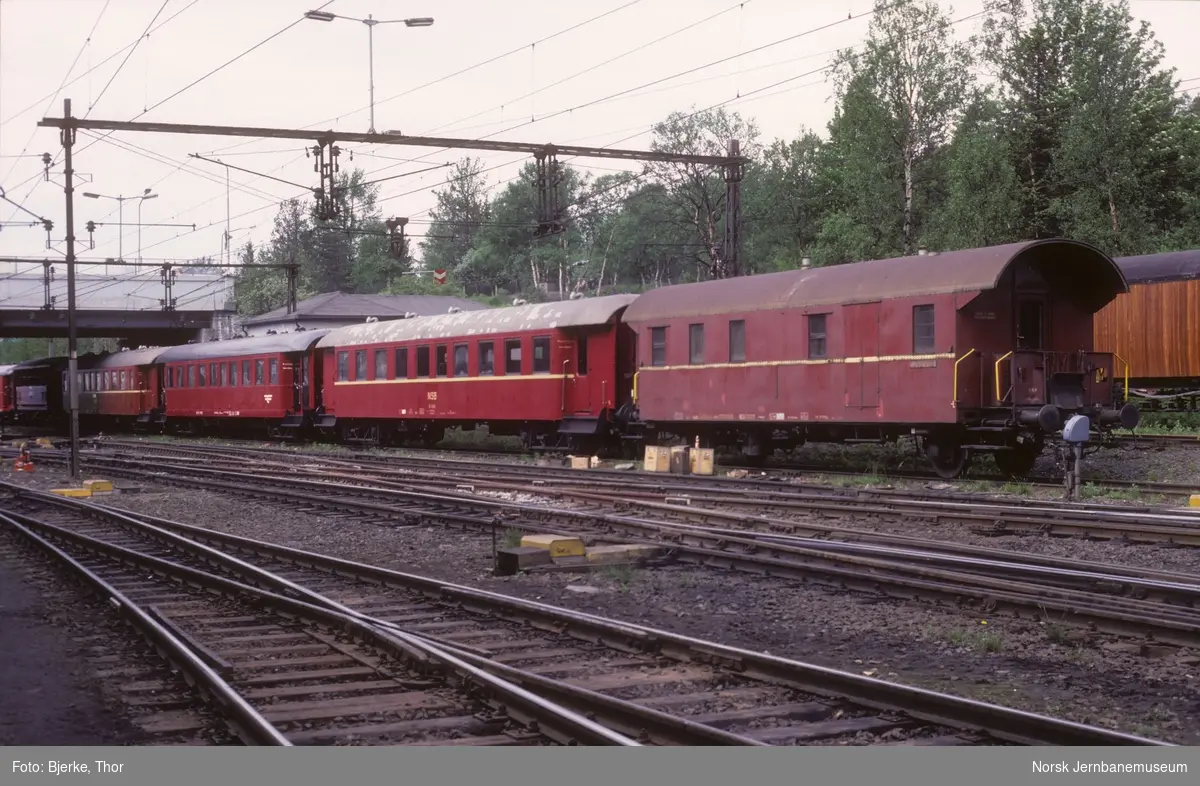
{"x":1035,"y":665}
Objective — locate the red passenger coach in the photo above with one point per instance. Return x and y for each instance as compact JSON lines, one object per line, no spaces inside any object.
{"x":119,"y":389}
{"x":8,"y":394}
{"x":984,"y":350}
{"x":550,"y":372}
{"x":244,"y":384}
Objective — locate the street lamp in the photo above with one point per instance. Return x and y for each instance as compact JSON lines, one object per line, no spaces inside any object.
{"x":121,"y":219}
{"x":370,"y":22}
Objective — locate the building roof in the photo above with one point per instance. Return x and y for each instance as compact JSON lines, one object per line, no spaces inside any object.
{"x":339,"y":305}
{"x":585,"y":312}
{"x":1078,"y":268}
{"x":242,"y":347}
{"x":1153,"y":268}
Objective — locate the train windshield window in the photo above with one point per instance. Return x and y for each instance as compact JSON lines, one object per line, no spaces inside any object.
{"x":441,"y":360}
{"x":512,"y":356}
{"x":737,"y":341}
{"x":658,"y":346}
{"x":816,"y":336}
{"x":258,"y":372}
{"x":422,"y":361}
{"x":233,"y":374}
{"x":487,"y":358}
{"x":273,"y":371}
{"x":541,"y":355}
{"x":402,"y":363}
{"x":246,"y":372}
{"x":381,"y":364}
{"x":203,"y":375}
{"x":695,"y":344}
{"x":343,"y":366}
{"x":923,"y":341}
{"x":461,"y":356}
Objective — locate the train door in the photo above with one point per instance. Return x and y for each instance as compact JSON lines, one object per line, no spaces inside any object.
{"x":1031,"y":322}
{"x":302,"y":384}
{"x":861,"y":323}
{"x":581,"y":389}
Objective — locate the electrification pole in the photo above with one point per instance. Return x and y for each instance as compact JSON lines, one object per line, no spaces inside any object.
{"x":68,"y":140}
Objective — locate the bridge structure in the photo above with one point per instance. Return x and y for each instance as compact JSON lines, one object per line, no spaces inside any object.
{"x":146,"y":304}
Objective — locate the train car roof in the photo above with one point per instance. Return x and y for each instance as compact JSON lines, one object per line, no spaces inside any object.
{"x":126,"y":358}
{"x":6,"y":370}
{"x":1070,"y":266}
{"x":241,"y":347}
{"x":586,"y":312}
{"x":51,"y":362}
{"x":1154,"y":268}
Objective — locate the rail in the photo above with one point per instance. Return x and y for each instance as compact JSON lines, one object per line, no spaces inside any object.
{"x":954,"y":402}
{"x":1002,"y":358}
{"x":1118,"y":357}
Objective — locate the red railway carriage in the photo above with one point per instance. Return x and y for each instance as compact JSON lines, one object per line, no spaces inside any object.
{"x":550,"y":372}
{"x":263,"y":381}
{"x":8,"y":394}
{"x":970,"y":351}
{"x":121,"y":388}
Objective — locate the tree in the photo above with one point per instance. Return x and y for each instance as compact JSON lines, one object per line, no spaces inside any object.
{"x":462,"y":209}
{"x":785,"y":200}
{"x":918,"y":74}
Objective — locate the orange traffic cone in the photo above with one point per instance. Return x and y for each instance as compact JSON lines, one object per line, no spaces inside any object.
{"x":23,"y":463}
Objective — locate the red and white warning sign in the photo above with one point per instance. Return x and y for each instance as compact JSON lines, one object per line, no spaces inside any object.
{"x":439,"y":276}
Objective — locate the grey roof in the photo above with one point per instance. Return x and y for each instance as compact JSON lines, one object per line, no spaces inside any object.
{"x":129,"y":357}
{"x":535,"y":316}
{"x":339,"y":305}
{"x":241,"y":347}
{"x":6,"y":370}
{"x":1065,"y":263}
{"x":1171,"y":266}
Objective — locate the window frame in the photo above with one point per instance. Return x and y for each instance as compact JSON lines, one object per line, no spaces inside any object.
{"x":737,"y":341}
{"x":543,"y":341}
{"x":343,"y":366}
{"x":930,"y":347}
{"x":441,"y":360}
{"x":462,"y":351}
{"x":360,"y":365}
{"x":424,"y":356}
{"x":696,"y":344}
{"x":400,"y":366}
{"x":381,"y":358}
{"x":486,"y":352}
{"x":821,"y":336}
{"x":658,"y":346}
{"x":511,"y":344}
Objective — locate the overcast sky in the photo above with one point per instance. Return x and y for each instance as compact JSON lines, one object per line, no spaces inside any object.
{"x":316,"y":75}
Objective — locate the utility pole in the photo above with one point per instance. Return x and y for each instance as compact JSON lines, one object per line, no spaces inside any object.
{"x":228,"y":233}
{"x":68,"y":140}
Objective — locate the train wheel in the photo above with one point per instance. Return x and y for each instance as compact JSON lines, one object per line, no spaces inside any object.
{"x":1017,"y":462}
{"x":949,"y":459}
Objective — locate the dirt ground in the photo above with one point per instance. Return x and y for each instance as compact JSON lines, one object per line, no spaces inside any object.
{"x":1040,"y":666}
{"x":48,"y":689}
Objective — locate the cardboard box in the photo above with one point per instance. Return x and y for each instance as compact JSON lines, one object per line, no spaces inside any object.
{"x":657,"y":459}
{"x":680,"y":465}
{"x":579,"y":462}
{"x":702,"y":461}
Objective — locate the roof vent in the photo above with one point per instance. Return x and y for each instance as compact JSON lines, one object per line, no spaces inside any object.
{"x":520,"y":301}
{"x":455,"y":309}
{"x":576,"y":296}
{"x":922,"y":251}
{"x":410,"y":314}
{"x":372,"y":319}
{"x":805,"y":263}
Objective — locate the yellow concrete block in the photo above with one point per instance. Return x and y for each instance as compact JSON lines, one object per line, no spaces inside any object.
{"x":557,"y":545}
{"x":702,"y":461}
{"x":579,"y":462}
{"x":657,"y":459}
{"x":72,"y":492}
{"x":621,"y":553}
{"x":1194,"y":501}
{"x":98,"y":485}
{"x":45,"y":442}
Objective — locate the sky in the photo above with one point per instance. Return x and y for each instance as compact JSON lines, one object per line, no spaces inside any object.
{"x":501,"y":70}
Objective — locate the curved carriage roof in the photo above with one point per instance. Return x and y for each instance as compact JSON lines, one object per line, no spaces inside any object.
{"x":39,"y":363}
{"x":125,"y":358}
{"x":6,"y":370}
{"x":241,"y":347}
{"x":1155,"y":268}
{"x":1070,"y":266}
{"x":586,"y":312}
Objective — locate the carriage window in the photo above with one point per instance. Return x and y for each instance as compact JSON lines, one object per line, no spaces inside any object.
{"x":402,"y":363}
{"x":381,"y":364}
{"x":258,"y":372}
{"x":123,"y":381}
{"x":360,"y":364}
{"x":233,"y":374}
{"x":191,"y":376}
{"x":658,"y":346}
{"x":224,"y":374}
{"x":487,"y":358}
{"x":245,"y":372}
{"x":816,"y":336}
{"x":203,"y":375}
{"x":460,"y":360}
{"x":541,"y":355}
{"x":512,"y":354}
{"x":422,"y":361}
{"x":343,"y":366}
{"x":273,"y":371}
{"x":695,"y":344}
{"x":441,"y":360}
{"x":737,"y":341}
{"x":923,"y":341}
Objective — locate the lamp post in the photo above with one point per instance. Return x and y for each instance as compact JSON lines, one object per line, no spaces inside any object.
{"x":370,"y":22}
{"x":121,"y":219}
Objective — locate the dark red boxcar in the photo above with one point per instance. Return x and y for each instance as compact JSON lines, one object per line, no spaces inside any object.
{"x":259,"y":381}
{"x":547,"y":371}
{"x":8,"y":394}
{"x":979,"y":350}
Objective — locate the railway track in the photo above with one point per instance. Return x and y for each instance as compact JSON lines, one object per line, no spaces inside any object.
{"x":660,"y":687}
{"x":1115,"y":600}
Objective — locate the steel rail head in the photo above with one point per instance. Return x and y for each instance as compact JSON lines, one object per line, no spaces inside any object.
{"x":246,"y":721}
